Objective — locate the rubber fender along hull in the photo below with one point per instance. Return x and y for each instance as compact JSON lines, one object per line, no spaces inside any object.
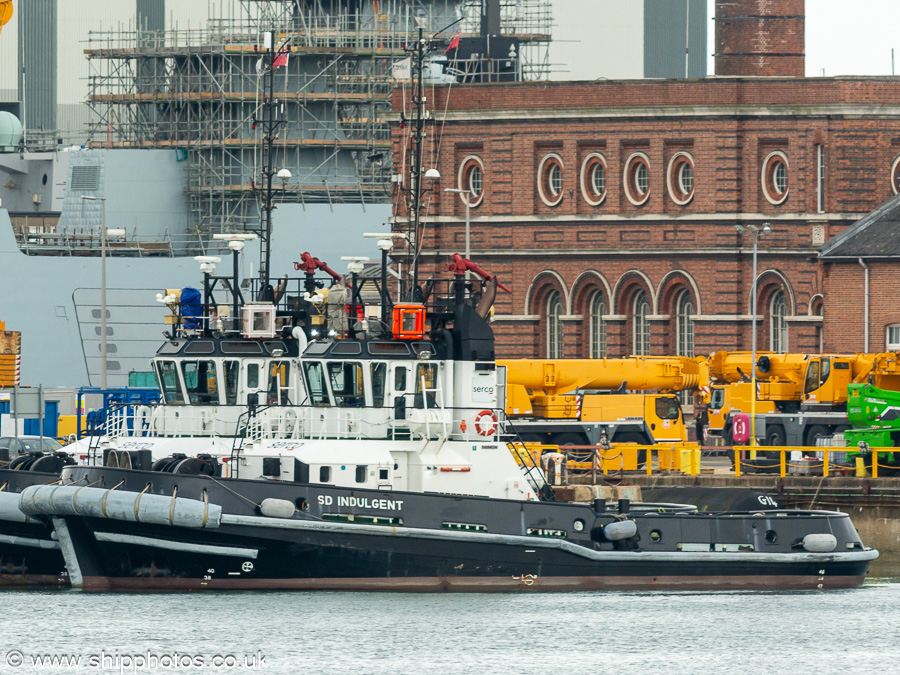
{"x":163,"y":560}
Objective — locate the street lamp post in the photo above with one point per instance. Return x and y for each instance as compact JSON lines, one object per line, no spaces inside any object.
{"x":766,"y":228}
{"x":104,"y":234}
{"x":469,"y":195}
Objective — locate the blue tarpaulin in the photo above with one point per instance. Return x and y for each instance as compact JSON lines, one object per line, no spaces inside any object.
{"x":191,"y":307}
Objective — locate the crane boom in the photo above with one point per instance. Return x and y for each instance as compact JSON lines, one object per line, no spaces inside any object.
{"x":638,"y":373}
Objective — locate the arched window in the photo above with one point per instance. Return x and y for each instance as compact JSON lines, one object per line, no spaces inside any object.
{"x":778,"y":340}
{"x":554,"y":325}
{"x":685,"y":309}
{"x":597,"y":325}
{"x":641,"y":324}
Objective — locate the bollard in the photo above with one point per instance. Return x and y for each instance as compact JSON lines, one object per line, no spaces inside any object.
{"x":737,"y":463}
{"x":860,"y":467}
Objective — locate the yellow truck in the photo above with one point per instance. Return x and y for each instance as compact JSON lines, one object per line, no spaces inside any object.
{"x":800,"y":397}
{"x":579,"y":401}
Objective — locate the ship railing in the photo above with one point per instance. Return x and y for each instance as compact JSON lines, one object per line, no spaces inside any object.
{"x":531,"y":467}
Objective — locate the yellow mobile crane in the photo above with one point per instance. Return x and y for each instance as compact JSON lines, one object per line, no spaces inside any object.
{"x":577,"y":401}
{"x":800,"y":397}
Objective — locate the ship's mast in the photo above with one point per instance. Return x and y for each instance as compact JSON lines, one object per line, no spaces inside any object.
{"x":415,"y":165}
{"x":270,"y":131}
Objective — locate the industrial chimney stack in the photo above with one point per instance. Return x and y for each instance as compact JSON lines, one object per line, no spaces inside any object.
{"x":760,"y":37}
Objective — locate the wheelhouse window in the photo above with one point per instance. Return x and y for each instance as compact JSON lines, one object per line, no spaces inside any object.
{"x":324,"y":474}
{"x":252,"y":375}
{"x":200,"y":381}
{"x":400,"y":376}
{"x":347,"y":383}
{"x":315,"y":383}
{"x":279,"y":382}
{"x":641,"y":324}
{"x":778,"y":338}
{"x":426,"y":385}
{"x":597,"y":325}
{"x":554,"y":325}
{"x":232,"y":371}
{"x":167,"y":374}
{"x":378,"y":372}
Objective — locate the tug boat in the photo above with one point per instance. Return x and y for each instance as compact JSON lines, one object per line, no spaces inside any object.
{"x":381,"y":459}
{"x":30,"y":557}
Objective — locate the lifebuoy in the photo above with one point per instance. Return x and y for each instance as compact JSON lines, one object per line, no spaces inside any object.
{"x":486,"y":422}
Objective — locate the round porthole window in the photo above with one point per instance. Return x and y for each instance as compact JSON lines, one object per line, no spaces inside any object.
{"x":636,"y":178}
{"x":578,"y":525}
{"x":655,"y":536}
{"x":774,"y":178}
{"x":593,"y":178}
{"x":470,"y":179}
{"x":680,"y":178}
{"x":550,"y":180}
{"x":895,"y":175}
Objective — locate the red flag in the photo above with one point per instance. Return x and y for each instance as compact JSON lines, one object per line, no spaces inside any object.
{"x":454,"y":43}
{"x":281,"y":60}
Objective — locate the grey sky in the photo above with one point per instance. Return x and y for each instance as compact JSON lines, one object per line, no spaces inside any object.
{"x":844,"y":38}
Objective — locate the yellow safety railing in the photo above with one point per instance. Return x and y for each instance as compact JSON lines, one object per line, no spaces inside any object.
{"x":683,"y":457}
{"x":825,"y":464}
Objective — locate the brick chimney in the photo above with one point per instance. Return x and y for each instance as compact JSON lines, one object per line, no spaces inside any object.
{"x":760,"y":37}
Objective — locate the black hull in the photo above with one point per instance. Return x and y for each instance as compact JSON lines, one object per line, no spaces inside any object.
{"x":29,"y":556}
{"x":248,"y":551}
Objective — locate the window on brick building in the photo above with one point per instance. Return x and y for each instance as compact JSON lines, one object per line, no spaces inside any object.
{"x":680,"y":178}
{"x":593,"y":178}
{"x":892,"y":339}
{"x":636,"y":178}
{"x":550,"y":179}
{"x":554,"y":325}
{"x":820,"y":178}
{"x":597,"y":325}
{"x":774,"y":179}
{"x":778,"y":337}
{"x":685,"y":325}
{"x":470,"y":180}
{"x":895,"y":175}
{"x":641,"y":324}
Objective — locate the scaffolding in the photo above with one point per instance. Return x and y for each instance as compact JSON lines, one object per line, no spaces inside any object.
{"x":201,"y":93}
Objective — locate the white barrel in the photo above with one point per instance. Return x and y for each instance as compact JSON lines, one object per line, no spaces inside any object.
{"x":276,"y":508}
{"x":71,"y":500}
{"x":620,"y":529}
{"x":819,"y":543}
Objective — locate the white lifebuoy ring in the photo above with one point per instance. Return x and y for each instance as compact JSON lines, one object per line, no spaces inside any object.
{"x":486,"y":423}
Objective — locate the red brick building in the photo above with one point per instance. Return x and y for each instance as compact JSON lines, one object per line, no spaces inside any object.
{"x":610,"y":207}
{"x":861,"y":277}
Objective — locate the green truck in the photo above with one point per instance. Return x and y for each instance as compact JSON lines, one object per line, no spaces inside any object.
{"x":875,"y":418}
